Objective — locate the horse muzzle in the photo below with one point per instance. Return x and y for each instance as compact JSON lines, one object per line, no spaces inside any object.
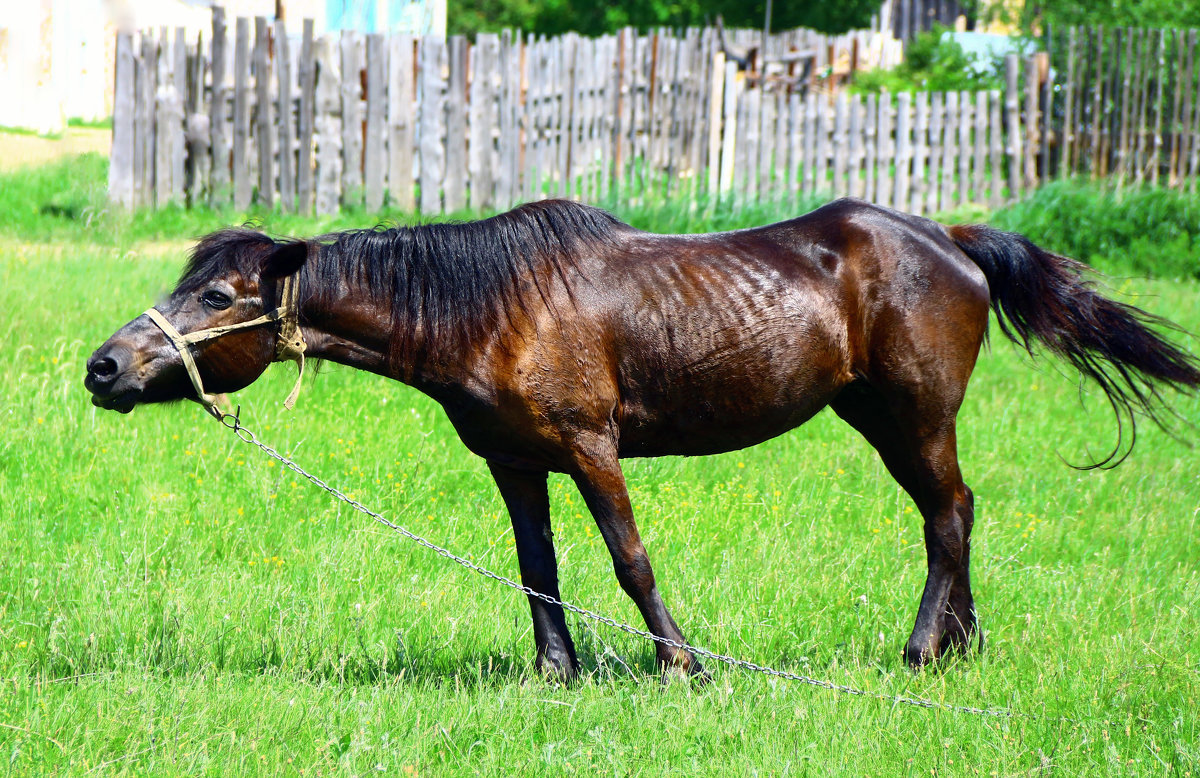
{"x":114,"y":386}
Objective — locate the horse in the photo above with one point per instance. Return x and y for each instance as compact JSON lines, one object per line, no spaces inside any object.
{"x":559,"y":339}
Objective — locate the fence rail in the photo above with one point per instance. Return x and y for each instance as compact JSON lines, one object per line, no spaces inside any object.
{"x":440,"y":126}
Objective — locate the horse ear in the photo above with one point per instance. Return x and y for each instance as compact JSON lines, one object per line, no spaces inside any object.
{"x":285,"y":259}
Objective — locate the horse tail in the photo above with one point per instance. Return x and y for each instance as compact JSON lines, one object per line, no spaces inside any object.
{"x":1044,"y":297}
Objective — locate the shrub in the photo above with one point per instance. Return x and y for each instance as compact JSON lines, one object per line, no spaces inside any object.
{"x":1146,"y":232}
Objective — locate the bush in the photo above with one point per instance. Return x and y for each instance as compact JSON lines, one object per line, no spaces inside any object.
{"x":1144,"y":232}
{"x":933,"y":62}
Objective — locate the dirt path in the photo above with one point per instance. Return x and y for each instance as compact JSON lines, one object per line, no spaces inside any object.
{"x":18,"y":150}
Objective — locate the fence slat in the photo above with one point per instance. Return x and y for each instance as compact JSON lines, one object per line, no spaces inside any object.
{"x":241,"y":116}
{"x":432,"y":122}
{"x":306,"y":120}
{"x":264,"y":129}
{"x":218,"y":190}
{"x":327,"y":126}
{"x":287,"y":133}
{"x":401,"y":127}
{"x":374,"y":159}
{"x":120,"y":164}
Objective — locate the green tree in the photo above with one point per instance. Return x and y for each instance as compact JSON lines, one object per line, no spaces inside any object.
{"x":590,"y":17}
{"x":1124,"y":13}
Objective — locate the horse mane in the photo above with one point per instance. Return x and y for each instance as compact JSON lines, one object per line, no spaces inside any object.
{"x":457,"y":282}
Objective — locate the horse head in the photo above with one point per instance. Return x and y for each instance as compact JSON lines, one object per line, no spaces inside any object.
{"x":219,"y":329}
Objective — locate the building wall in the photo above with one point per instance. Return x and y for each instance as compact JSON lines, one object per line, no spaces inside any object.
{"x":56,"y":56}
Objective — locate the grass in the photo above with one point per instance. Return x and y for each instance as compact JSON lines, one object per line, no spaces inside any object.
{"x":172,"y":604}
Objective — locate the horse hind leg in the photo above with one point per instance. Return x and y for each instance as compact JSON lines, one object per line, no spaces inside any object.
{"x":921,"y":454}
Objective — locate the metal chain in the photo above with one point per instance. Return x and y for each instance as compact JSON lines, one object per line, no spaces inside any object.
{"x":233,"y":422}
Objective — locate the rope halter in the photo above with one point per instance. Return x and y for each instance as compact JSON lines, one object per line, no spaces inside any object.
{"x":289,"y":346}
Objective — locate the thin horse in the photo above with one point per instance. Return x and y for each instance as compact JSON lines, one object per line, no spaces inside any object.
{"x":558,"y":339}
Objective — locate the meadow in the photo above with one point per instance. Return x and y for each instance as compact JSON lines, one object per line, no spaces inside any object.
{"x":174,"y":603}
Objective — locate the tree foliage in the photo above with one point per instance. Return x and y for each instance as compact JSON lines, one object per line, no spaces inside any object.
{"x":589,"y":17}
{"x":1034,"y":16}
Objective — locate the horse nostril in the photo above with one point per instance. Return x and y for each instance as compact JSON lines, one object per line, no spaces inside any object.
{"x":104,"y":368}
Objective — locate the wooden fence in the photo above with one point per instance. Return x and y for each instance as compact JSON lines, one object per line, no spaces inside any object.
{"x":441,"y":126}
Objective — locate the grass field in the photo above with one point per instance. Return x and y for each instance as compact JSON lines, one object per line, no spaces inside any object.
{"x":173,"y":604}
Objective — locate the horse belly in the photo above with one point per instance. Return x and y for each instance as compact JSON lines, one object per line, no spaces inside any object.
{"x":706,"y":390}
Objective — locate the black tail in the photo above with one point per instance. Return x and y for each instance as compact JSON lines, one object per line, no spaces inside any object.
{"x":1042,"y":296}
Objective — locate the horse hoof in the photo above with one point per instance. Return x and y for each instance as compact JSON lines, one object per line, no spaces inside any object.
{"x":693,"y":673}
{"x":559,"y":670}
{"x":919,"y":657}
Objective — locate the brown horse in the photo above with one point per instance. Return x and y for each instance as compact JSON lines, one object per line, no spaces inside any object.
{"x":559,"y":339}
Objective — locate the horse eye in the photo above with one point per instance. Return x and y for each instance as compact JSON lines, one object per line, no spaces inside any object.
{"x":216,"y":300}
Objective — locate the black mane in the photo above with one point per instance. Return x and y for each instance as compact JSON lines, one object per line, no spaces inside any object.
{"x":456,"y":281}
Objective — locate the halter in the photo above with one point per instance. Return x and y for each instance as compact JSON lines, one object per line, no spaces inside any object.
{"x":289,"y":346}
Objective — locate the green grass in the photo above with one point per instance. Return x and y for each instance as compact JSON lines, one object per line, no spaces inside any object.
{"x":173,"y":604}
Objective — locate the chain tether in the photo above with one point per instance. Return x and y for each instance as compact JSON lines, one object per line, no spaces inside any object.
{"x":233,"y":422}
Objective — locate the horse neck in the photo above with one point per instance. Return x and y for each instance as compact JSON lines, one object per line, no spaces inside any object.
{"x":358,"y":331}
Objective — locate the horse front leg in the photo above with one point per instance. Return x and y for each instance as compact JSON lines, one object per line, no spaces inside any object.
{"x":599,"y":479}
{"x":528,"y":503}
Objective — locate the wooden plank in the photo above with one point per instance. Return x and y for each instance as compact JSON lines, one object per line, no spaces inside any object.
{"x":286,"y":125}
{"x":1012,"y":107}
{"x":1125,"y":66}
{"x":374,"y":150}
{"x":1188,"y":144}
{"x":995,"y":151}
{"x":966,"y":121}
{"x":306,"y":120}
{"x":765,"y":119}
{"x":327,"y":125}
{"x":886,"y":152}
{"x":1098,"y":77}
{"x":1070,"y":116}
{"x":920,"y":189}
{"x":401,"y":130}
{"x":1046,"y":107}
{"x":511,"y":109}
{"x":482,"y":120}
{"x":165,"y":129}
{"x":841,"y":146}
{"x":456,"y":126}
{"x":566,"y":116}
{"x":716,"y":102}
{"x":949,"y":197}
{"x":264,"y":125}
{"x":218,"y":190}
{"x":795,"y":140}
{"x":903,"y":157}
{"x":870,"y":147}
{"x":432,"y":123}
{"x":242,"y":185}
{"x":351,"y":49}
{"x":1156,"y":140}
{"x":937,"y":119}
{"x":120,"y":163}
{"x":781,"y":166}
{"x":611,"y":101}
{"x":143,"y":134}
{"x":197,"y":169}
{"x":178,"y":104}
{"x":979,"y":163}
{"x":729,"y":135}
{"x":854,"y":172}
{"x":824,"y":125}
{"x":810,"y":144}
{"x":1177,"y":79}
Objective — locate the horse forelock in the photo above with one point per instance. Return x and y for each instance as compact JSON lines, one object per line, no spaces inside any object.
{"x":221,"y":252}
